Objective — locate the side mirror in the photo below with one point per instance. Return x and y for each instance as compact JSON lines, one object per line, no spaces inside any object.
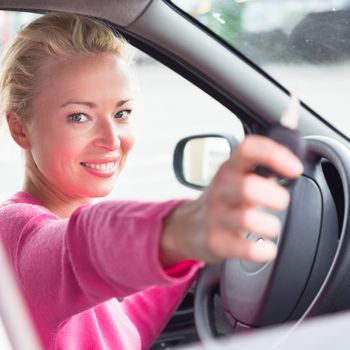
{"x":197,"y":158}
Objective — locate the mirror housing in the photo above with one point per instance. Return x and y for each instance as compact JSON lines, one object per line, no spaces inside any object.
{"x":198,"y":157}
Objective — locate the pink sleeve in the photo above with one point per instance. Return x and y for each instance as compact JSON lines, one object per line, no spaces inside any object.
{"x":151,"y":309}
{"x":110,"y":249}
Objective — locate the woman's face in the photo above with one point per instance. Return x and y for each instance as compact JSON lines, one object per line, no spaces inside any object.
{"x":79,"y":132}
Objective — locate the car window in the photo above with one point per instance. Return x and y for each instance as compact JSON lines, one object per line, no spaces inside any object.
{"x":168,"y":107}
{"x":302,"y":44}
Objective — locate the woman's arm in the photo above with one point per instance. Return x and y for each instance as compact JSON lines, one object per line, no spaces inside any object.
{"x":110,"y":249}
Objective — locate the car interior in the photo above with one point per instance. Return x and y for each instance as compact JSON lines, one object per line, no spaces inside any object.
{"x":310,"y":276}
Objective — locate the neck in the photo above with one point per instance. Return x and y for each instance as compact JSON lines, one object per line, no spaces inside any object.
{"x":46,"y":194}
{"x":57,"y":202}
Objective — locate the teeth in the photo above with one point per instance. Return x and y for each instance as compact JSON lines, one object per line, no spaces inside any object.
{"x":102,"y":167}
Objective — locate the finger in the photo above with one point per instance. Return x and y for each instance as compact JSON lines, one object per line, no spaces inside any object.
{"x":259,"y":150}
{"x":252,"y":220}
{"x":259,"y":251}
{"x":229,"y":246}
{"x":251,"y":190}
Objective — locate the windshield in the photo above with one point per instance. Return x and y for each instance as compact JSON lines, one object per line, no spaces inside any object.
{"x":302,"y":44}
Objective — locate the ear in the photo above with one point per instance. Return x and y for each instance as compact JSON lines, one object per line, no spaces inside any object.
{"x":17,"y":129}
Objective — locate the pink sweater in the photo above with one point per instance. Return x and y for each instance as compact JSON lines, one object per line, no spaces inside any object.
{"x":75,"y":272}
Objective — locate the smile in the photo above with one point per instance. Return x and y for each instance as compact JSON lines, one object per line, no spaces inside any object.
{"x":104,"y":169}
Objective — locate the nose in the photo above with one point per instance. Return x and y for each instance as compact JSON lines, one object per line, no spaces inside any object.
{"x":107,"y":135}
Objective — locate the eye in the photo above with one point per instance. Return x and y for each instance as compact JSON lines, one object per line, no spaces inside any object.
{"x":124,"y":114}
{"x":78,"y":118}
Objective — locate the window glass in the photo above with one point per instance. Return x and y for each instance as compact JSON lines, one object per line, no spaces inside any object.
{"x":302,"y":44}
{"x":168,"y":108}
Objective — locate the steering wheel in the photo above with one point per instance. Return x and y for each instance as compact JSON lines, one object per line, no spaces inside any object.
{"x":311,"y":273}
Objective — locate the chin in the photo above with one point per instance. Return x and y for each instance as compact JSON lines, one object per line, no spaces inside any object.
{"x":99,"y":192}
{"x":92,"y":188}
{"x":96,"y":190}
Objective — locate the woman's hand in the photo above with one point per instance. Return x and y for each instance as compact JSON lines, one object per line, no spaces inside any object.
{"x":212,"y":227}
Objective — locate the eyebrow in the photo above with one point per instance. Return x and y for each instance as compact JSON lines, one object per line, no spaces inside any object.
{"x":92,"y":104}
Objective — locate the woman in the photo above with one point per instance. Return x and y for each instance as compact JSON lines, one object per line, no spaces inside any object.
{"x":109,"y":275}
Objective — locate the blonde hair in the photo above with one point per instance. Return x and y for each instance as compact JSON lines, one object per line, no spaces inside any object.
{"x":47,"y":39}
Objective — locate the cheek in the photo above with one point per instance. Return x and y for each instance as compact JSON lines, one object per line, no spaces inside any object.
{"x":53,"y":156}
{"x":128,"y":140}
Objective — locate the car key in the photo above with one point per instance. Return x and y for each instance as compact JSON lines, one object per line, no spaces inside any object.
{"x":286,"y":133}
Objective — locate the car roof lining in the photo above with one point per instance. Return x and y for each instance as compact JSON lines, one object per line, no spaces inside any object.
{"x":120,"y":12}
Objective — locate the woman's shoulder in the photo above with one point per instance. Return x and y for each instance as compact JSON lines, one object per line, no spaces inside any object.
{"x":19,"y":215}
{"x":20,"y":197}
{"x":20,"y":208}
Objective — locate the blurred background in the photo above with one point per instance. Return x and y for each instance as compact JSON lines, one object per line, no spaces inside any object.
{"x":302,"y":44}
